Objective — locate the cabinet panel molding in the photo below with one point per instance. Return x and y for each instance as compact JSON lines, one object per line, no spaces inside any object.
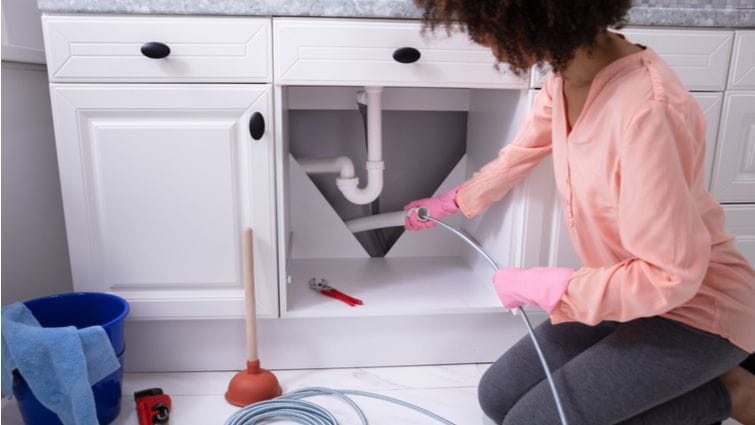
{"x":742,"y":72}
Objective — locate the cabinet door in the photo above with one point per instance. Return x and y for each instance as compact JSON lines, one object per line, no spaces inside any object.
{"x":710,"y":103}
{"x":158,"y":183}
{"x":734,"y":168}
{"x":740,"y":220}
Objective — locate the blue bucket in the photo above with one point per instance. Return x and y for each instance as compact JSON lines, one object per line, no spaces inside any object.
{"x":80,"y":309}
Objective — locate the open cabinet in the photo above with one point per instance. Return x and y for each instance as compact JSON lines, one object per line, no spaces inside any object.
{"x":446,"y":111}
{"x":433,"y":140}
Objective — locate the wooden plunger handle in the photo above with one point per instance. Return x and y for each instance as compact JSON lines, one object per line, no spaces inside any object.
{"x":251,"y":314}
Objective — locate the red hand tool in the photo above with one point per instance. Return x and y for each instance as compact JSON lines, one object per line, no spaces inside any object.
{"x":152,"y":406}
{"x":325,"y":289}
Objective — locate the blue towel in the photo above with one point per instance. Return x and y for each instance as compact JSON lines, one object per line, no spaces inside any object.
{"x":60,"y":365}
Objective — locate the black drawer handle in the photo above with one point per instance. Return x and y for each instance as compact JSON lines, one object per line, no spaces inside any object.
{"x":155,"y":50}
{"x":406,"y":55}
{"x":257,"y":126}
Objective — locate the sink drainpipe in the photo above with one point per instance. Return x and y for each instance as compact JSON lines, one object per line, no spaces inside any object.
{"x":347,"y":182}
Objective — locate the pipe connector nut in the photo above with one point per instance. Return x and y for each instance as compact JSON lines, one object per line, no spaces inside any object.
{"x":375,"y":165}
{"x":347,"y":183}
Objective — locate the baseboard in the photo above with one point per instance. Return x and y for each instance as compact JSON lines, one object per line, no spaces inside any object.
{"x":298,"y":343}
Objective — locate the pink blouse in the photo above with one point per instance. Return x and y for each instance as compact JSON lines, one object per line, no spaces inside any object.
{"x":630,"y":179}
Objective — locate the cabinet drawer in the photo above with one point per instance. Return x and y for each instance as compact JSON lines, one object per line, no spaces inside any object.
{"x":202,"y":49}
{"x":699,"y":57}
{"x":360,"y":52}
{"x":742,"y":73}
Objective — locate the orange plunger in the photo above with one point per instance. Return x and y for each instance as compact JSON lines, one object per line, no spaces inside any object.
{"x":253,"y":384}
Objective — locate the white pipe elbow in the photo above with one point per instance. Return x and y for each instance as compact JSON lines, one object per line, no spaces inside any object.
{"x":341,"y":165}
{"x":345,"y":166}
{"x":370,"y":192}
{"x":347,"y":182}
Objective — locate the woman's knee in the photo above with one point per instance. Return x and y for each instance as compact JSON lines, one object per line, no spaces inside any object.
{"x":496,"y":398}
{"x":518,"y":415}
{"x":537,"y":407}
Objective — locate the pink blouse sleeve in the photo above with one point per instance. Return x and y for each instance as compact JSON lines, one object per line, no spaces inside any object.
{"x":531,"y":144}
{"x":659,"y":225}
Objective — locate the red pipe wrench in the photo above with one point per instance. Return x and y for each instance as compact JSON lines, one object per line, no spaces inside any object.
{"x":327,"y":290}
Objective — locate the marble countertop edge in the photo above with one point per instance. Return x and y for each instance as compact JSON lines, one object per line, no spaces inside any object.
{"x":387,"y":9}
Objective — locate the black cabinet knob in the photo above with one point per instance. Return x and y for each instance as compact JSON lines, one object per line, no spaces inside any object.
{"x":257,"y":126}
{"x":406,"y":55}
{"x":155,"y":50}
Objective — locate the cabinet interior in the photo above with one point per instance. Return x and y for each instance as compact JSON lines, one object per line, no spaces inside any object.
{"x":433,"y":139}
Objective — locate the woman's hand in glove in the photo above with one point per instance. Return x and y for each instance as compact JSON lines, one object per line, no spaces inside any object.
{"x":438,"y":207}
{"x":540,"y":286}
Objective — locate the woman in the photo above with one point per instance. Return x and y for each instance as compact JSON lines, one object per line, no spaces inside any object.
{"x":652,"y":328}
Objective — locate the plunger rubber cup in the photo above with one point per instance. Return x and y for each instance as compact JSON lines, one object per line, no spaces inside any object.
{"x":252,"y":385}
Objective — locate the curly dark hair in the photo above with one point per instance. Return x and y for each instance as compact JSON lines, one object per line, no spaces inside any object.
{"x":524,"y":32}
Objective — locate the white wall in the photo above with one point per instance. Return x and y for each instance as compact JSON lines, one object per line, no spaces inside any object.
{"x":22,"y":32}
{"x":34,"y":249}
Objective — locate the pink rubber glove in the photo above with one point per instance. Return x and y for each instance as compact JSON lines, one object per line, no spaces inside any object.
{"x":439,"y":207}
{"x":540,"y":286}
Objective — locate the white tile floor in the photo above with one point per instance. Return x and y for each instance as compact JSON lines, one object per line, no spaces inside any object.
{"x":450,"y":391}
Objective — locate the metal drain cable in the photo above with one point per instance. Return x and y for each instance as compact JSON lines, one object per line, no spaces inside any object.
{"x":289,"y":407}
{"x":424,"y":215}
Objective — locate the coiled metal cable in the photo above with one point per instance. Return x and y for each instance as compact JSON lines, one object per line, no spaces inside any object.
{"x":291,"y":408}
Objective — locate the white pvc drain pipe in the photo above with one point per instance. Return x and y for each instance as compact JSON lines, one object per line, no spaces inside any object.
{"x":347,"y":182}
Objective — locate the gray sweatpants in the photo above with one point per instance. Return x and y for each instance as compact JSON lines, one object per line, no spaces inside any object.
{"x":647,"y":371}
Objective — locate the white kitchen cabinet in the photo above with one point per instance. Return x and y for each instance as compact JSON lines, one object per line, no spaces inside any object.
{"x":734,"y":168}
{"x":742,"y":70}
{"x":158,"y":183}
{"x":160,"y":178}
